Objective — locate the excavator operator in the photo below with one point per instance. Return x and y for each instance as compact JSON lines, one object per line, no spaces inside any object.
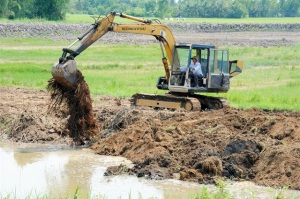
{"x":197,"y":75}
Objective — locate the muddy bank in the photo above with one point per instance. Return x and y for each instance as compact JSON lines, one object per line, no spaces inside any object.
{"x":256,"y":145}
{"x":203,"y":33}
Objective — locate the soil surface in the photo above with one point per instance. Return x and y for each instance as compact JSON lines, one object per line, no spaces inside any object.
{"x":198,"y":33}
{"x":257,"y":145}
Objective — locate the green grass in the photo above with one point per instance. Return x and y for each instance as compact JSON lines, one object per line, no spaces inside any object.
{"x":270,"y":78}
{"x":84,"y":18}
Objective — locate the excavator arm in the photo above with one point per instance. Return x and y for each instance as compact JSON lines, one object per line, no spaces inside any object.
{"x":65,"y":70}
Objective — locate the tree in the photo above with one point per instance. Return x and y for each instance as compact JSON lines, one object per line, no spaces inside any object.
{"x":150,"y":8}
{"x":14,"y":8}
{"x":3,"y":8}
{"x":50,"y":9}
{"x":254,"y":8}
{"x":189,"y":8}
{"x":290,"y":8}
{"x":163,"y":9}
{"x":238,"y":10}
{"x":273,"y":9}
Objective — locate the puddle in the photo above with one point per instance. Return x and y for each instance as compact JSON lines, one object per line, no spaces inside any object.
{"x":34,"y":170}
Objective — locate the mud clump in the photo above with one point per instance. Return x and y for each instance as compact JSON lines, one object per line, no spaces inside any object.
{"x":76,"y":104}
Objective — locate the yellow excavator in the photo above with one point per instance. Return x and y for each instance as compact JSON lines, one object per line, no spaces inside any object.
{"x":215,"y":64}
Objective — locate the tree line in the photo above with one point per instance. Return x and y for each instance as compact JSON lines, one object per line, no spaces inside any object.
{"x":56,"y":9}
{"x":191,"y":8}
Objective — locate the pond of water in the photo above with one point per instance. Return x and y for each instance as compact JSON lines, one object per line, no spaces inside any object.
{"x":55,"y":171}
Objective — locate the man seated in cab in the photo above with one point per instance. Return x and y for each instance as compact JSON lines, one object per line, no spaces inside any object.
{"x":195,"y":68}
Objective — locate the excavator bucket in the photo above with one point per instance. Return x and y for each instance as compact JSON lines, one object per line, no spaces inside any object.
{"x":65,"y":73}
{"x":235,"y":67}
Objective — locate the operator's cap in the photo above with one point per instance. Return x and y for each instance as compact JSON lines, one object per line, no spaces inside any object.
{"x":194,"y":57}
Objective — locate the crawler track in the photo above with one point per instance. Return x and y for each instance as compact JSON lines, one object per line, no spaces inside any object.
{"x":191,"y":102}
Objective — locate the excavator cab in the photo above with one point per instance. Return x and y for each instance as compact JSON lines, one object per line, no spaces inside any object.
{"x":215,"y":65}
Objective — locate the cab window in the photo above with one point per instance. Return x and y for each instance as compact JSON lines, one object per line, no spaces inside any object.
{"x":219,"y":61}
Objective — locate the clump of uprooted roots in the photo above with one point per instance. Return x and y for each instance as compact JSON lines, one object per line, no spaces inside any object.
{"x":78,"y":104}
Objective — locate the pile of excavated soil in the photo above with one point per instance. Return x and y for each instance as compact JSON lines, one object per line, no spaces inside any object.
{"x":256,"y":145}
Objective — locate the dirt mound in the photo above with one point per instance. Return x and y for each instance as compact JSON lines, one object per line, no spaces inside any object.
{"x":256,"y":145}
{"x":206,"y":146}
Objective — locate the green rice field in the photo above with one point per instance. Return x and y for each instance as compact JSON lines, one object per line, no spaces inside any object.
{"x":270,"y":78}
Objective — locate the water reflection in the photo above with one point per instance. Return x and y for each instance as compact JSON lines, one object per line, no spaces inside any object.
{"x":21,"y":178}
{"x":57,"y":172}
{"x":60,"y":173}
{"x":122,"y":187}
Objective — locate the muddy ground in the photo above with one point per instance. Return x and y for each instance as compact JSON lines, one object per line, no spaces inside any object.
{"x":257,"y":145}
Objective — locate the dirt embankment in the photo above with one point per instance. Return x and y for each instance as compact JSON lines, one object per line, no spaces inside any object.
{"x":256,"y":145}
{"x":201,"y":33}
